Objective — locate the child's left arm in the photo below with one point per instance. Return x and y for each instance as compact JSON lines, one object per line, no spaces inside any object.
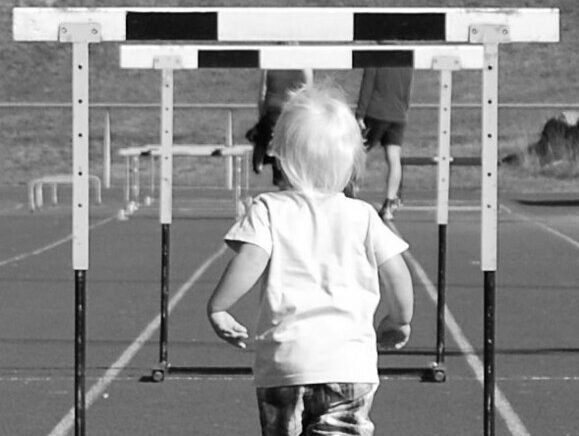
{"x":243,"y":271}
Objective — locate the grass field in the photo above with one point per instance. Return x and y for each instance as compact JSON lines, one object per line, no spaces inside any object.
{"x":37,"y":141}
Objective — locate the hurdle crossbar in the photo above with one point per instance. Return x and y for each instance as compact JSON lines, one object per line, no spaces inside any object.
{"x":240,"y":24}
{"x":344,"y":57}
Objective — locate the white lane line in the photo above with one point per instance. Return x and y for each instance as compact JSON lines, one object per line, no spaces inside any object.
{"x":512,"y":420}
{"x":432,"y":208}
{"x":67,"y":422}
{"x":131,"y":378}
{"x":7,"y":210}
{"x":545,"y":227}
{"x":51,"y":245}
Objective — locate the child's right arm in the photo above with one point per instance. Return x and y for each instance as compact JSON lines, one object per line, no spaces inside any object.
{"x":396,"y":286}
{"x":241,"y":274}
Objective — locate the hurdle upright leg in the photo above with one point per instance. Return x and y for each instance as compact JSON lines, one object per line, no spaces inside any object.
{"x":80,"y":35}
{"x":489,"y":225}
{"x":446,"y":65}
{"x":165,"y":208}
{"x":443,"y":187}
{"x":490,"y":35}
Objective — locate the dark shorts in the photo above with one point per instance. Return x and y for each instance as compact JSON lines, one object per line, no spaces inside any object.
{"x":320,"y":409}
{"x":383,"y":132}
{"x":260,"y":135}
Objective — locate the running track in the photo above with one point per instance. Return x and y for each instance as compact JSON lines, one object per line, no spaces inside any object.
{"x":537,"y":325}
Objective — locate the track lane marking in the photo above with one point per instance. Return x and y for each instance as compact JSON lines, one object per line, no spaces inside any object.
{"x":50,"y":246}
{"x":512,"y":420}
{"x":67,"y":422}
{"x":544,"y":227}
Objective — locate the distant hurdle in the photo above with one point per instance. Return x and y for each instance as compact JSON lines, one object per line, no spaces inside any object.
{"x":152,"y":152}
{"x":487,"y":27}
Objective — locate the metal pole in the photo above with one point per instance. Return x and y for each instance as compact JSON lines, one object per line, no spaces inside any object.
{"x":229,"y":143}
{"x":107,"y":151}
{"x":80,"y":217}
{"x":166,"y":203}
{"x":127,"y":180}
{"x":136,"y":179}
{"x":489,"y":353}
{"x":489,"y":222}
{"x":446,"y":65}
{"x":164,"y":327}
{"x":79,"y":352}
{"x":80,"y":35}
{"x":237,"y":190}
{"x":441,"y":292}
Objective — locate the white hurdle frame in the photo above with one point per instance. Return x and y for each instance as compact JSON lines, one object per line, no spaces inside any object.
{"x":443,"y":58}
{"x":487,"y":26}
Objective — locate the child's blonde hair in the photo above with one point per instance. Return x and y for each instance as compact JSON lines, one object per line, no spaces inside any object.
{"x":318,"y":141}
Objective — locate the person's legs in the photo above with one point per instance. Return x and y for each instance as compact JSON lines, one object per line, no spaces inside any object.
{"x":338,"y":409}
{"x":280,"y":410}
{"x":262,"y":138}
{"x":393,"y":179}
{"x":394,"y":161}
{"x":392,"y":142}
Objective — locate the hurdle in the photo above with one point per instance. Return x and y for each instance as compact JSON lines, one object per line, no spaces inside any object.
{"x":489,"y":27}
{"x":444,"y":58}
{"x":133,"y":155}
{"x":35,"y":189}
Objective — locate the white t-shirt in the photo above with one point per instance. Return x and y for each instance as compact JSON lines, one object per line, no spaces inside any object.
{"x":320,"y":290}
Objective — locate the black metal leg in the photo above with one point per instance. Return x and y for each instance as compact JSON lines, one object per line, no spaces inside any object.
{"x":79,"y":352}
{"x":489,"y":353}
{"x":441,"y":303}
{"x":164,"y":293}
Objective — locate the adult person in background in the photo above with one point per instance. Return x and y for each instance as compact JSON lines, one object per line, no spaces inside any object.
{"x":273,"y":93}
{"x":382,"y":112}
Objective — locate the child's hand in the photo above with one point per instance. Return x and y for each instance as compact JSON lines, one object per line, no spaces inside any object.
{"x":392,"y":335}
{"x":228,"y":329}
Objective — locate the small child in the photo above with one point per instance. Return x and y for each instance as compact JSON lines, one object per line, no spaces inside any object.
{"x":323,"y":259}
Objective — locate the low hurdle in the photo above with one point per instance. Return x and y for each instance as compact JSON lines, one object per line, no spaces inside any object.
{"x":488,"y":27}
{"x":36,"y":187}
{"x":133,"y":155}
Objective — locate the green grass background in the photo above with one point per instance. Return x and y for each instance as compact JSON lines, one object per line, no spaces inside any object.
{"x":37,"y":141}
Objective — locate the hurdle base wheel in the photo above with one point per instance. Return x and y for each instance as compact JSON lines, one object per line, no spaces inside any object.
{"x":158,"y":372}
{"x":437,"y":373}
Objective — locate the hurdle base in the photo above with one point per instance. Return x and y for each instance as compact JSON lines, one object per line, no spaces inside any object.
{"x":434,"y":373}
{"x":158,"y":372}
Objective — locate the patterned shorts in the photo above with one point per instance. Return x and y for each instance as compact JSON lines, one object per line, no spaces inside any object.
{"x":330,"y":409}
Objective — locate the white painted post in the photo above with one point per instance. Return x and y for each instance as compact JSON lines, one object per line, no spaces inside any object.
{"x":127,"y":180}
{"x":80,"y":191}
{"x":445,"y":64}
{"x":237,"y":192}
{"x":107,"y":151}
{"x":166,"y":184}
{"x":136,"y":180}
{"x":489,"y":159}
{"x":229,"y":143}
{"x":80,"y":35}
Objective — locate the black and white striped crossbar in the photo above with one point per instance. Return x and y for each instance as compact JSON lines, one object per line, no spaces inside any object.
{"x":271,"y":57}
{"x":240,"y":24}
